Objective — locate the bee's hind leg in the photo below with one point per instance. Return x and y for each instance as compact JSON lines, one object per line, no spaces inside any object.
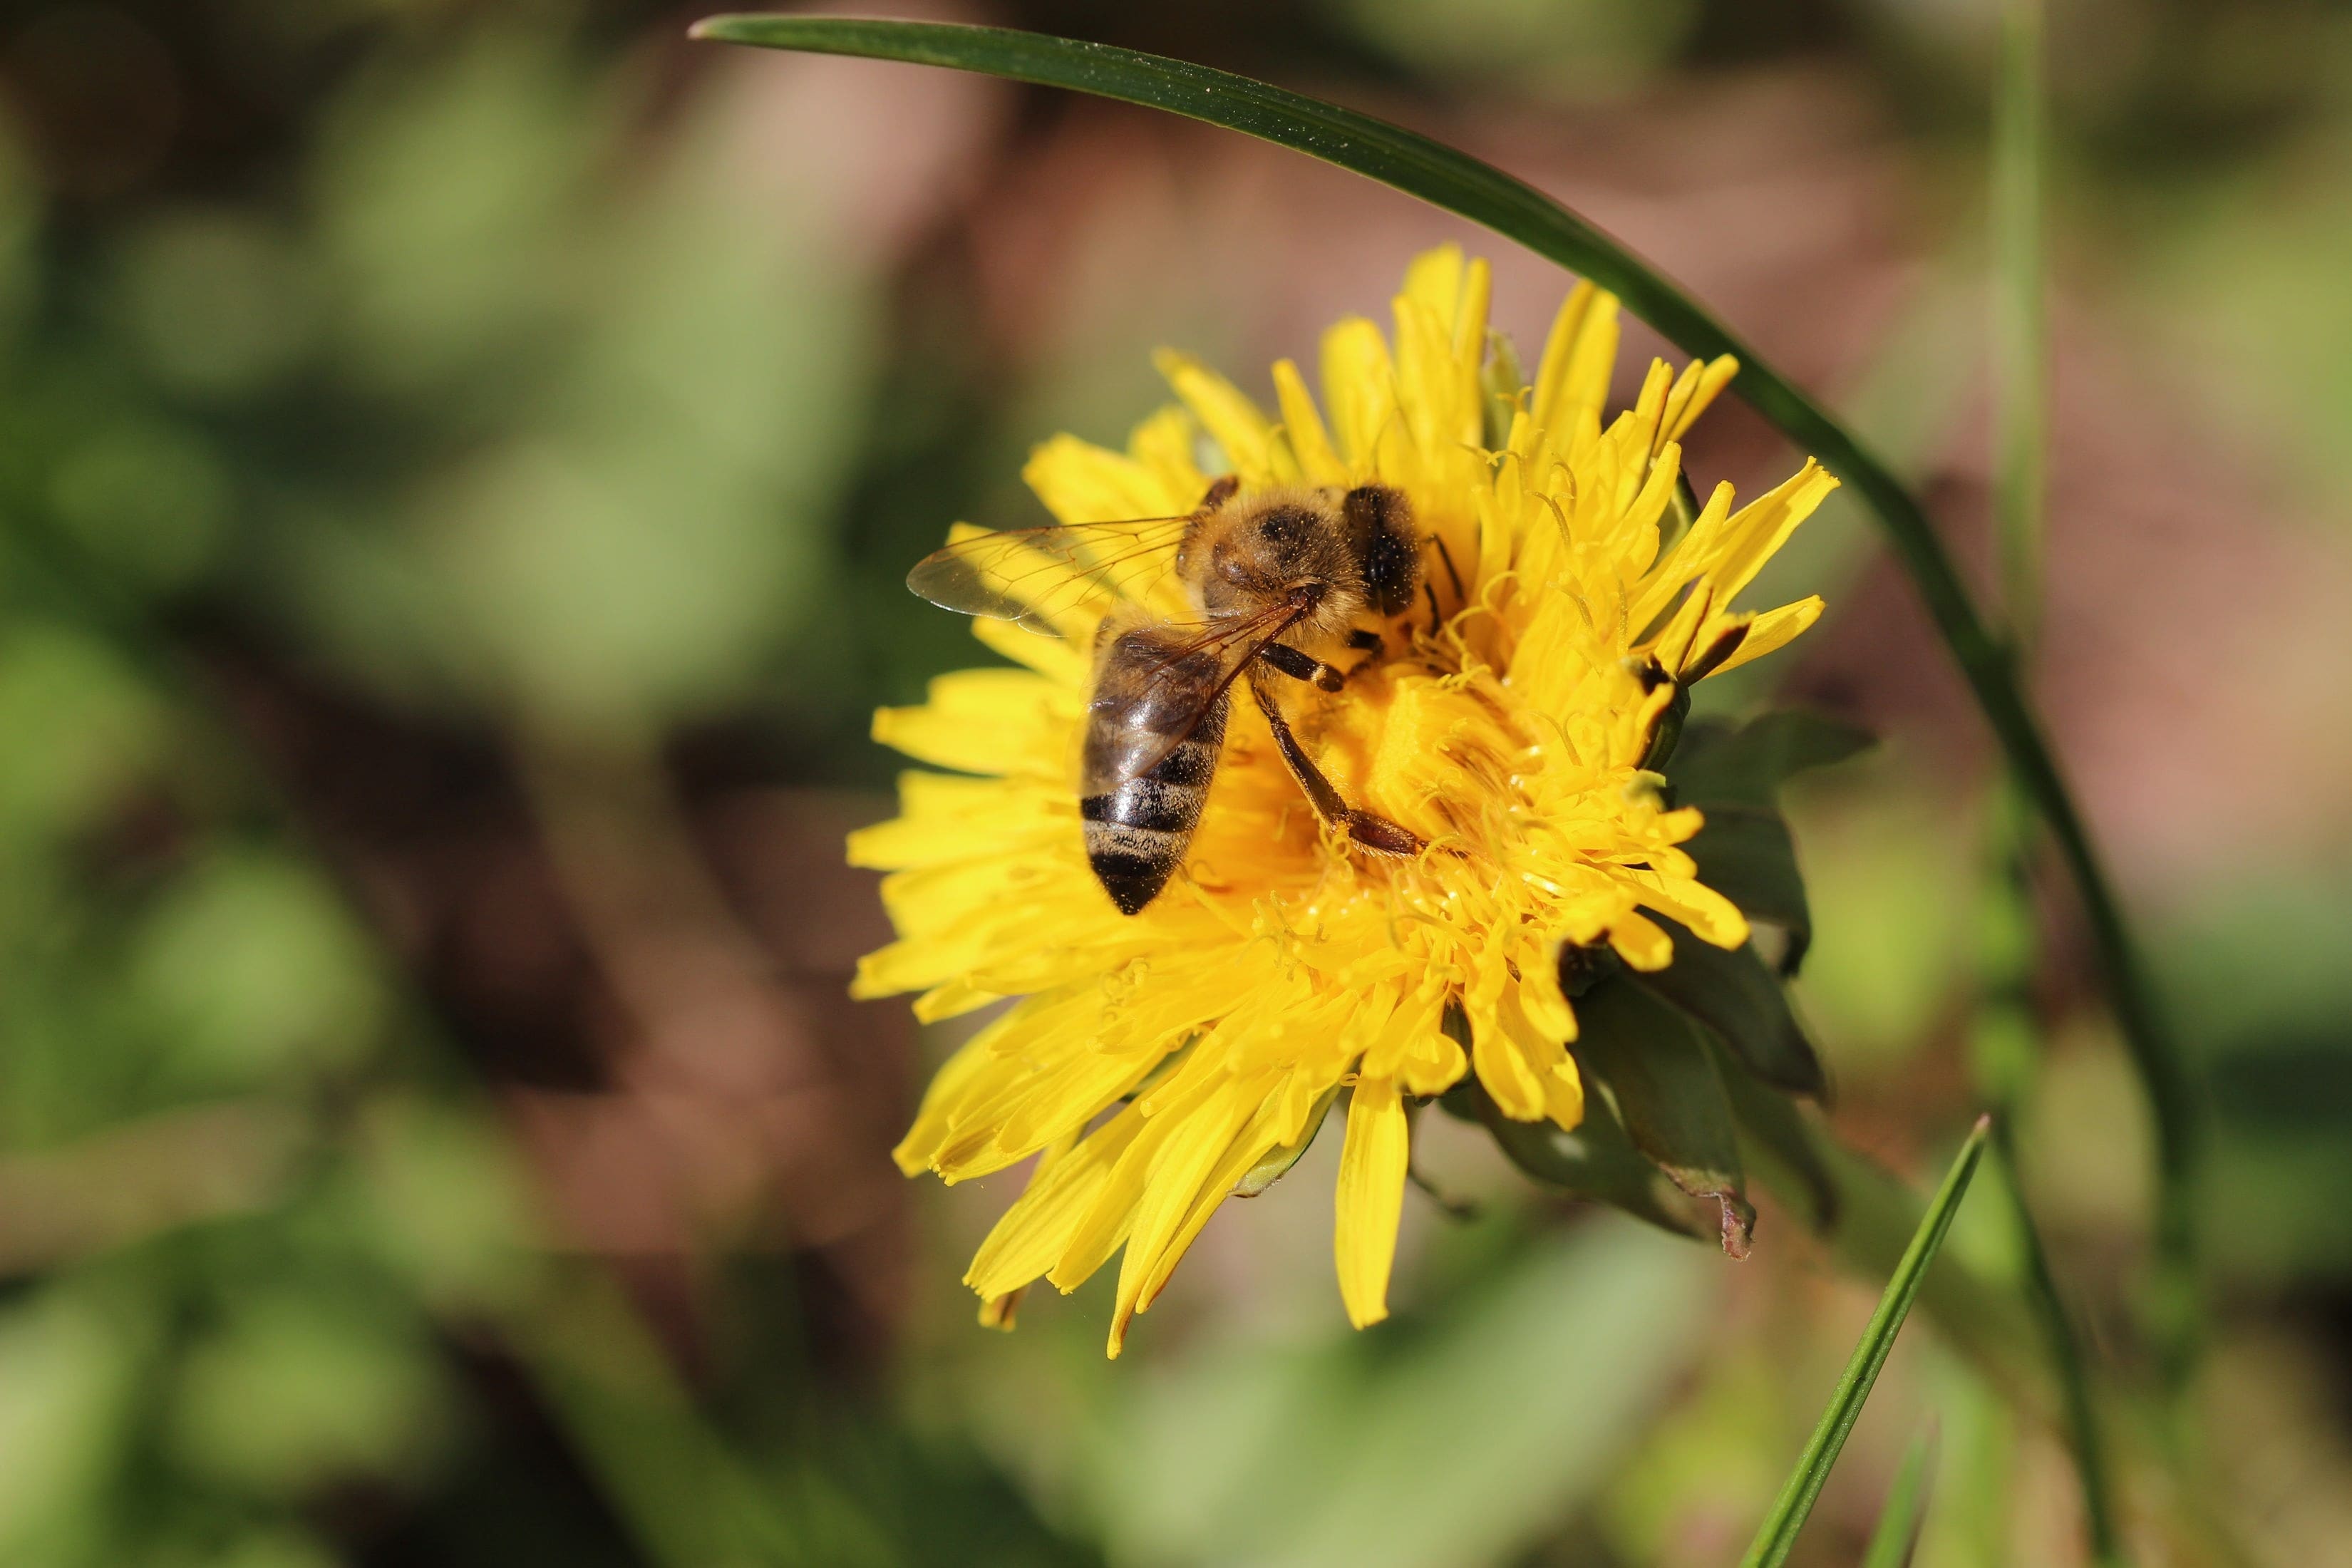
{"x":1377,"y":833}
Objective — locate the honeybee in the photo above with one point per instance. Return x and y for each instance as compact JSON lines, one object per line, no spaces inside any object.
{"x":1278,"y":577}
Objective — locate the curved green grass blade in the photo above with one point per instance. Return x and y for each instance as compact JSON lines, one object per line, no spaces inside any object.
{"x":1420,"y":166}
{"x":1779,"y":1532}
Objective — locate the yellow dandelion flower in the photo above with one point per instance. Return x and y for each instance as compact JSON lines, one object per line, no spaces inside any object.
{"x":1155,"y":1061}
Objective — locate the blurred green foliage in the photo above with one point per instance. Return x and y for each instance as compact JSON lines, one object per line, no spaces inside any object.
{"x":412,"y":385}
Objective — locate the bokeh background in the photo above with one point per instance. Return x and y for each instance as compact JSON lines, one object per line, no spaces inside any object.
{"x":457,"y":461}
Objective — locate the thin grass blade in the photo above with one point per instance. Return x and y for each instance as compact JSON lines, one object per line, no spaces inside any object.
{"x":1897,"y":1536}
{"x":2019,"y":325}
{"x":2021,"y":386}
{"x":1420,"y":166}
{"x":1779,"y":1532}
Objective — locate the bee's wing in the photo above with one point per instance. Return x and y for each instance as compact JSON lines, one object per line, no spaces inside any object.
{"x":1231,"y":644}
{"x":1037,"y":576}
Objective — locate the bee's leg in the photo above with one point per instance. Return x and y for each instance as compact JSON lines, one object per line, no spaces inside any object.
{"x":1446,"y":556}
{"x":1301,"y":666}
{"x":1377,"y":833}
{"x":1221,"y":490}
{"x":1370,"y":644}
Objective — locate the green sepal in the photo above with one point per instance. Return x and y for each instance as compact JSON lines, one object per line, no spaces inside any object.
{"x":1733,"y":774}
{"x":1668,"y":731}
{"x":1682,"y":512}
{"x":1736,"y":995}
{"x":1655,"y":1062}
{"x":1276,"y":1165}
{"x":1772,"y":1129}
{"x":1582,"y":967}
{"x":1746,"y":854}
{"x":1720,"y":764}
{"x":1597,"y":1161}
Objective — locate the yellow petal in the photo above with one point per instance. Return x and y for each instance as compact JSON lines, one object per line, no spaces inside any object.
{"x":1639,"y":431}
{"x":1688,"y":558}
{"x":1641,"y":943}
{"x":1309,"y":440}
{"x":1062,"y":660}
{"x":945,"y":817}
{"x":1359,"y":389}
{"x":1081,"y":483}
{"x":1107,"y":1223}
{"x":1070,"y":1096}
{"x":1182,"y":1176}
{"x":954,"y":1081}
{"x":1231,"y":418}
{"x":1477,"y":296}
{"x":1710,"y":916}
{"x":1256,"y":1141}
{"x":974,"y":920}
{"x":1578,"y":359}
{"x":1439,"y":402}
{"x":1434,"y":278}
{"x":982,"y":721}
{"x":1564,"y":1095}
{"x":1637,"y":532}
{"x":1167,"y":444}
{"x":1763,"y":525}
{"x":1038,"y":1229}
{"x":1546,"y":1005}
{"x":953,"y":1000}
{"x":1504,"y":1068}
{"x":1695,"y":391}
{"x":1407,"y":1021}
{"x":1775,"y":629}
{"x":1371,"y":1198}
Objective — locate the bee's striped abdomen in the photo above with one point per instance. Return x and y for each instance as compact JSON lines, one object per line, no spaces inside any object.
{"x":1137,"y":830}
{"x":1137,"y":824}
